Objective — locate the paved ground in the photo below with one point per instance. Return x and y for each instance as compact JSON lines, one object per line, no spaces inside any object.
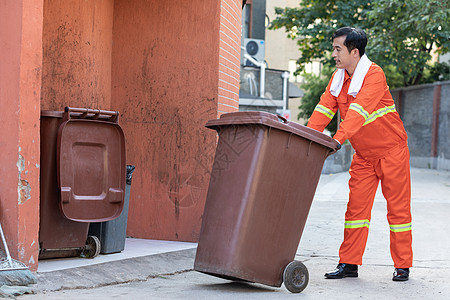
{"x":170,"y":275}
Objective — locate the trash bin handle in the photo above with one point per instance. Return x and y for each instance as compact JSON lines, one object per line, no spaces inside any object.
{"x":94,"y":114}
{"x":337,"y":147}
{"x":282,"y":119}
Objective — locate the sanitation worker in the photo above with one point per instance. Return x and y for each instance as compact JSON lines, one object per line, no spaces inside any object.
{"x":371,"y":123}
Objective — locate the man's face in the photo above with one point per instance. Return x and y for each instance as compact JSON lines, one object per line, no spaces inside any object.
{"x":344,"y":59}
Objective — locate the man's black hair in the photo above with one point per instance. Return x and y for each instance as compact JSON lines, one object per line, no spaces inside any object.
{"x":355,"y":38}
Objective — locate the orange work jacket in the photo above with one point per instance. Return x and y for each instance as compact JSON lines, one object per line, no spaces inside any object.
{"x":369,"y":121}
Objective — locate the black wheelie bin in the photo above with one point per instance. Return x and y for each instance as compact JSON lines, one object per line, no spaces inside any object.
{"x":112,"y":234}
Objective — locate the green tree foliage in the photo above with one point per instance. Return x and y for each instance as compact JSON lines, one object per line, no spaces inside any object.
{"x":402,"y":37}
{"x":402,"y":34}
{"x":439,"y":71}
{"x":313,"y":23}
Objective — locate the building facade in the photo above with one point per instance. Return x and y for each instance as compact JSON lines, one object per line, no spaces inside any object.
{"x":166,"y":66}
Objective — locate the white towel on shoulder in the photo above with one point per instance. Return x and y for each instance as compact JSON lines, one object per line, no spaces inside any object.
{"x":357,"y":80}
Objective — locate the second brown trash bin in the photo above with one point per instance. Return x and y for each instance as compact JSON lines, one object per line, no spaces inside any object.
{"x":263,"y":181}
{"x":82,"y":178}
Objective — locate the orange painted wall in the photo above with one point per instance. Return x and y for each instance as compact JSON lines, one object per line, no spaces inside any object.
{"x":160,"y":64}
{"x":20,"y":82}
{"x":77,"y":45}
{"x":167,"y":66}
{"x":165,"y":83}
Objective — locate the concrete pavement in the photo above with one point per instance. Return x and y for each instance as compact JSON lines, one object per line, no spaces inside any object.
{"x":169,"y":275}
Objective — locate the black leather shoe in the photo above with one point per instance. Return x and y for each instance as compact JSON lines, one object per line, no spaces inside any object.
{"x":343,"y":270}
{"x":401,"y":274}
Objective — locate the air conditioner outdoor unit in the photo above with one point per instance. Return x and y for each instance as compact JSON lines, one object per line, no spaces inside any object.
{"x":254,"y":48}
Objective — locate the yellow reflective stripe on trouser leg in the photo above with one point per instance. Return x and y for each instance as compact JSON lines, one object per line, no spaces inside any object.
{"x":325,"y":110}
{"x":379,"y":113}
{"x":401,"y":227}
{"x":360,"y":110}
{"x":357,"y":224}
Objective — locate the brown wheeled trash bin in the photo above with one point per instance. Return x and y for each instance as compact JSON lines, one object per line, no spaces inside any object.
{"x":263,"y":181}
{"x":82,"y":178}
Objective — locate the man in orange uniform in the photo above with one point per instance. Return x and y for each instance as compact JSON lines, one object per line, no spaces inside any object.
{"x":359,"y":90}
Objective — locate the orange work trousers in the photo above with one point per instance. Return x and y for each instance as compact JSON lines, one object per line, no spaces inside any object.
{"x":394,"y":173}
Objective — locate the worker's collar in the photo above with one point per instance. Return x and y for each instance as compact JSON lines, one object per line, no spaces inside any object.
{"x":347,"y":76}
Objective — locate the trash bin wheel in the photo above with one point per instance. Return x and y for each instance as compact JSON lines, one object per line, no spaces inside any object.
{"x":92,"y":248}
{"x":295,"y":277}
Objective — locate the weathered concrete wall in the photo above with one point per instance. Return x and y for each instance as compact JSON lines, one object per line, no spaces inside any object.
{"x":20,"y":82}
{"x":417,"y":110}
{"x":443,"y":158}
{"x":417,"y":116}
{"x":339,"y":161}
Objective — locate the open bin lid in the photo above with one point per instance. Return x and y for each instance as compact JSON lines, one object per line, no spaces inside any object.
{"x":91,"y":165}
{"x":274,"y":121}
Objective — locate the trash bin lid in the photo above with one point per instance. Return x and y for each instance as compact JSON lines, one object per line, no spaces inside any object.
{"x":91,"y":169}
{"x":273,"y":121}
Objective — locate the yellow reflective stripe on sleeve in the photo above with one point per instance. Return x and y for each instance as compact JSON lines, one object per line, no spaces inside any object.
{"x":379,"y":113}
{"x":401,"y":227}
{"x":357,"y":224}
{"x":325,"y":110}
{"x":360,"y":110}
